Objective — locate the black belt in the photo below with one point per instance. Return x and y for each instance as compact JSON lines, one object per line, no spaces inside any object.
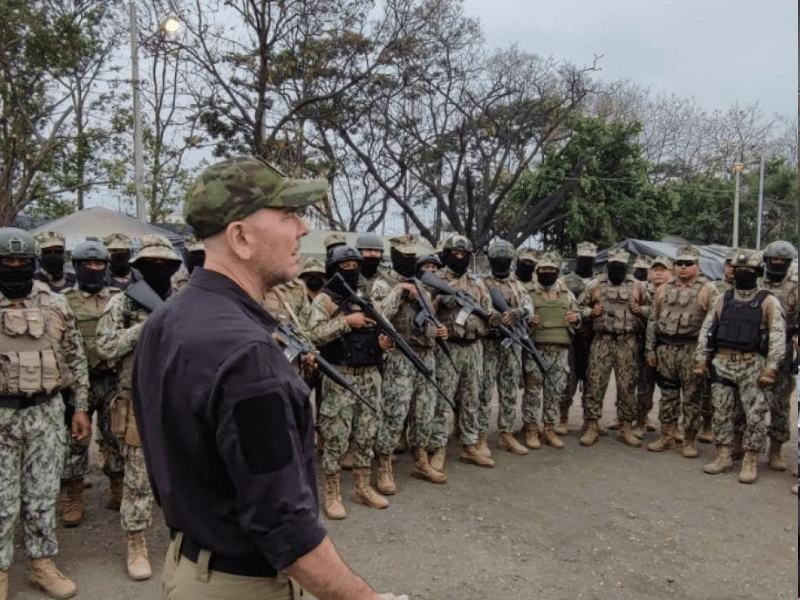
{"x":460,"y":341}
{"x":615,"y":334}
{"x":252,"y":564}
{"x":17,"y":402}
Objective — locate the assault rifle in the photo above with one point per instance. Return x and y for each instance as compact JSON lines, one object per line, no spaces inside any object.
{"x":340,"y":286}
{"x":520,"y":335}
{"x":426,"y":315}
{"x":295,"y":346}
{"x":144,"y":295}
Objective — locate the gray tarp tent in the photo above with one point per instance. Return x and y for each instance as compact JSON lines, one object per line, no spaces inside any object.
{"x":712,"y":258}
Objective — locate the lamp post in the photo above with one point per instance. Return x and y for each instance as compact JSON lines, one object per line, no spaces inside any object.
{"x":737,"y":167}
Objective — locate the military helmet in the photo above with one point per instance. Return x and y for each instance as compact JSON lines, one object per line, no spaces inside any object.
{"x":342,"y":254}
{"x":502,"y":249}
{"x":432,"y":259}
{"x":90,"y":250}
{"x":457,"y":242}
{"x":17,"y":243}
{"x":780,"y":249}
{"x":747,"y":258}
{"x":369,"y":241}
{"x":549,"y":259}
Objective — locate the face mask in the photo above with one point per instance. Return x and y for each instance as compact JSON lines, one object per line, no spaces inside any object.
{"x":745,"y":280}
{"x":501,"y":267}
{"x":546,"y":278}
{"x":403,"y":263}
{"x":90,"y":280}
{"x":314,"y":283}
{"x":640,"y":274}
{"x":524,"y":271}
{"x":776,"y":272}
{"x":195,"y":259}
{"x":583,"y":266}
{"x":616,"y":272}
{"x":369,"y":266}
{"x":53,"y":264}
{"x":350,"y":277}
{"x":157,"y":275}
{"x":119,"y":263}
{"x":16,"y":282}
{"x":459,"y":266}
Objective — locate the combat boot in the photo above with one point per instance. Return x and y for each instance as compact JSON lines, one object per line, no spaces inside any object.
{"x":689,"y":449}
{"x":551,"y":439}
{"x":507,"y":441}
{"x":624,"y":435}
{"x":530,"y":431}
{"x":115,"y":486}
{"x":563,"y":422}
{"x":423,"y":470}
{"x":776,"y":462}
{"x":679,"y":435}
{"x":667,"y":439}
{"x":3,"y":585}
{"x":72,"y":510}
{"x":639,"y":429}
{"x":590,"y":433}
{"x":470,"y":455}
{"x":385,"y":482}
{"x":737,"y":452}
{"x":721,"y":463}
{"x":483,"y":445}
{"x":614,"y":425}
{"x":437,"y":459}
{"x":364,"y":492}
{"x":347,"y":460}
{"x":706,"y":435}
{"x":138,"y":561}
{"x":749,"y":473}
{"x":43,"y":574}
{"x":334,"y":509}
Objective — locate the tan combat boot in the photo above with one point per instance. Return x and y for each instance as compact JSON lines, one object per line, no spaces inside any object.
{"x":115,"y":486}
{"x":590,"y":433}
{"x":385,"y":481}
{"x":776,"y":462}
{"x":507,"y":441}
{"x":364,"y":492}
{"x":3,"y":585}
{"x":530,"y":432}
{"x":72,"y":510}
{"x":639,"y":429}
{"x":563,"y":422}
{"x":679,"y":435}
{"x":138,"y":561}
{"x":689,"y":450}
{"x":721,"y":463}
{"x":483,"y":445}
{"x":737,"y":451}
{"x":347,"y":460}
{"x":551,"y":439}
{"x":667,"y":439}
{"x":706,"y":435}
{"x":614,"y":425}
{"x":625,"y":435}
{"x":43,"y":574}
{"x":470,"y":455}
{"x":749,"y":473}
{"x":437,"y":459}
{"x":334,"y":509}
{"x":423,"y":470}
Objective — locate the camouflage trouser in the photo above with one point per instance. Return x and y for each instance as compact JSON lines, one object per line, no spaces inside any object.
{"x":463,"y":385}
{"x":645,"y":385}
{"x":344,"y":417}
{"x":545,"y":396}
{"x":743,"y":371}
{"x":32,"y":444}
{"x":618,"y":353}
{"x":101,"y":391}
{"x":136,"y":509}
{"x":779,"y":397}
{"x":410,"y":394}
{"x":676,"y":363}
{"x":503,"y":367}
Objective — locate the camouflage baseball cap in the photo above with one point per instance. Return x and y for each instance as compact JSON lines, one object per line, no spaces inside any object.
{"x":528,"y":254}
{"x":642,"y":262}
{"x":237,"y":187}
{"x":662,"y":261}
{"x":312,"y":265}
{"x":549,"y":259}
{"x":193,"y":244}
{"x":618,"y":255}
{"x":587,"y":249}
{"x":405,"y":244}
{"x":334,"y":239}
{"x":688,"y":252}
{"x":118,"y":241}
{"x":155,"y":245}
{"x":50,"y":239}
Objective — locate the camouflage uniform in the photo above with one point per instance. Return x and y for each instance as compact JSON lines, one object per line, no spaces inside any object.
{"x":49,"y":240}
{"x":310,"y":267}
{"x":119,"y":242}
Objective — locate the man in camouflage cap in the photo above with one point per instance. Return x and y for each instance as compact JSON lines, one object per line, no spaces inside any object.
{"x":526,"y":264}
{"x":312,"y":274}
{"x":120,"y":274}
{"x":194,"y":255}
{"x":51,"y":261}
{"x":641,"y":266}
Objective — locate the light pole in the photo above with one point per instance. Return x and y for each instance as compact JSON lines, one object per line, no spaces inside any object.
{"x":737,"y":167}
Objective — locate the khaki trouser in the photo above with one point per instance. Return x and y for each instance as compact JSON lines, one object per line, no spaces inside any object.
{"x":186,"y":580}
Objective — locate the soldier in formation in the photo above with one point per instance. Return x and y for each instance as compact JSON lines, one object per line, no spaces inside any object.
{"x":51,"y":262}
{"x":194,"y":255}
{"x":120,"y":273}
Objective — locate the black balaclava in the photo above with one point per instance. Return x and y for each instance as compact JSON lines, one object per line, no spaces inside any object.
{"x":195,"y":258}
{"x":158,"y":275}
{"x":524,"y":271}
{"x":350,"y":277}
{"x":640,"y":274}
{"x":547,"y":278}
{"x":459,"y":266}
{"x":369,"y":266}
{"x":314,"y":282}
{"x":90,"y":280}
{"x":616,"y":272}
{"x":404,"y":264}
{"x":776,"y":272}
{"x":119,"y":265}
{"x":501,"y":267}
{"x":584,"y":266}
{"x":17,"y":282}
{"x":745,"y":280}
{"x":53,"y":262}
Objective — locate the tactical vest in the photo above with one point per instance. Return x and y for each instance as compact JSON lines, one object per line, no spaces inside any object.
{"x":617,"y":315}
{"x":740,"y":323}
{"x":86,"y":317}
{"x":552,"y":329}
{"x":470,"y":328}
{"x":31,"y":359}
{"x":783,"y":291}
{"x":403,"y":322}
{"x":356,"y":348}
{"x":680,"y":312}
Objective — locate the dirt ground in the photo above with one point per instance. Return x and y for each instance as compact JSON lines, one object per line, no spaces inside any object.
{"x":599,"y":523}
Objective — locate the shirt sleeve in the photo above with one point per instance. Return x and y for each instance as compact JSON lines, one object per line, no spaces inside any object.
{"x":114,"y":340}
{"x":262,"y":434}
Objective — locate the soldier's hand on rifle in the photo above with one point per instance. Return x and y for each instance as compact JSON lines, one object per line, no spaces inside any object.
{"x":536,"y":320}
{"x":598,"y":309}
{"x":571,"y":317}
{"x":507,"y":319}
{"x":358,"y":320}
{"x":385,"y":342}
{"x":307,"y":366}
{"x":635,"y":307}
{"x":81,"y":426}
{"x":767,"y":377}
{"x":441,"y":332}
{"x":652,"y":361}
{"x":410,"y":290}
{"x":279,"y":339}
{"x":700,"y":369}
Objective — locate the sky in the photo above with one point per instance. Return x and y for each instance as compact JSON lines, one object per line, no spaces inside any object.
{"x":719,"y":52}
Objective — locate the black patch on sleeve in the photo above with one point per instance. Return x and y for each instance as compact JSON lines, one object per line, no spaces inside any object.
{"x":263,"y":432}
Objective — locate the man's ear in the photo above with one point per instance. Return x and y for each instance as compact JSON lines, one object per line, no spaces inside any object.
{"x":240,"y":240}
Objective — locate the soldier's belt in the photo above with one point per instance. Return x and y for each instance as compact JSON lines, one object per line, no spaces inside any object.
{"x":102,"y":373}
{"x":461,"y":341}
{"x":615,"y":334}
{"x":253,"y":564}
{"x":356,"y":370}
{"x":543,"y":346}
{"x":734,"y":355}
{"x":18,"y":402}
{"x":675,"y":340}
{"x":726,"y":382}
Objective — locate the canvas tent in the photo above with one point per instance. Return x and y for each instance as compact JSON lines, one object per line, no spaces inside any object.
{"x":712,"y":257}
